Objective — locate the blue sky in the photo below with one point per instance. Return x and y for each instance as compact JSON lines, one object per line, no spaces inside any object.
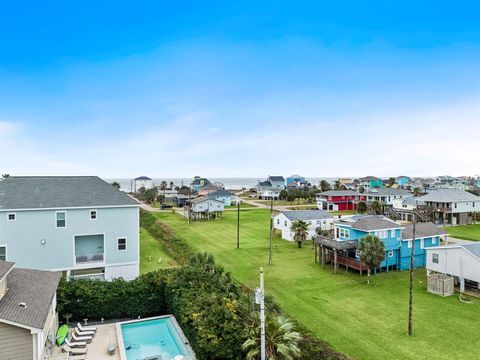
{"x":176,"y":89}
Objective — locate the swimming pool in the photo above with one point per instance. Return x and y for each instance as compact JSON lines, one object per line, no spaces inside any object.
{"x":153,"y":338}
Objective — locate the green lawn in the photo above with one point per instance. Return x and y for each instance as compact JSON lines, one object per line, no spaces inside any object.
{"x":467,"y":232}
{"x":152,"y":255}
{"x":242,"y":205}
{"x":364,"y":321}
{"x":343,"y":212}
{"x":284,"y":202}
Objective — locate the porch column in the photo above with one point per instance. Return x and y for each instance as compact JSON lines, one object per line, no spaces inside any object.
{"x":462,"y":285}
{"x":335,"y":259}
{"x":322,"y":249}
{"x":316,"y":251}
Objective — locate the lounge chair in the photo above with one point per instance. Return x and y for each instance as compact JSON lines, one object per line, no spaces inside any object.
{"x":75,"y":351}
{"x":84,"y":333}
{"x":75,"y":343}
{"x":86,"y":328}
{"x":87,"y":339}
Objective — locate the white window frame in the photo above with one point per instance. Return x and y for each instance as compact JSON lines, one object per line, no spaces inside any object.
{"x":437,"y":257}
{"x":56,"y":220}
{"x":122,"y":238}
{"x":422,"y":244}
{"x":6,"y":251}
{"x":345,"y":233}
{"x":14,"y":216}
{"x":409,"y":244}
{"x":434,"y":240}
{"x":96,"y":214}
{"x":390,"y":253}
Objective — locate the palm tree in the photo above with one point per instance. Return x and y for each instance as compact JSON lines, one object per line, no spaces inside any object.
{"x":417,"y":192}
{"x":4,"y":176}
{"x":163,"y":187}
{"x":300,"y":230}
{"x":362,"y":207}
{"x":281,"y":341}
{"x":372,"y":252}
{"x":116,"y":184}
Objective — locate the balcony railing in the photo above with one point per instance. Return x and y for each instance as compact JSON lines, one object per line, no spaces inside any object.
{"x":89,"y":258}
{"x":89,"y":276}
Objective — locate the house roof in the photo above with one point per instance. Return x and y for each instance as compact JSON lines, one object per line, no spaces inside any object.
{"x":265,"y":183}
{"x":388,"y":191}
{"x":295,"y":215}
{"x":276,"y":178}
{"x":35,"y":288}
{"x":402,"y":177}
{"x":340,"y":193}
{"x":473,"y":248}
{"x":422,"y":230}
{"x":5,"y":267}
{"x":204,"y":198}
{"x":368,"y":178}
{"x":413,"y":201}
{"x":142,"y":178}
{"x":37,"y":192}
{"x":197,"y":181}
{"x":369,"y":222}
{"x":221,"y":192}
{"x":209,"y":186}
{"x":449,"y":195}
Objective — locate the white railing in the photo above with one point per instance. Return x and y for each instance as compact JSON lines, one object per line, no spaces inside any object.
{"x":89,"y":276}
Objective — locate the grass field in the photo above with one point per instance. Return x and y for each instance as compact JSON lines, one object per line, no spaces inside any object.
{"x":152,"y":254}
{"x":467,"y":232}
{"x":242,"y":206}
{"x":364,"y":321}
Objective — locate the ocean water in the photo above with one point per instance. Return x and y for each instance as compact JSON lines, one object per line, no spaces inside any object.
{"x":154,"y":337}
{"x":229,"y":183}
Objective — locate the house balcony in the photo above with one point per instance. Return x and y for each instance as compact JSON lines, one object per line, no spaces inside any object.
{"x":89,"y":258}
{"x":89,"y":249}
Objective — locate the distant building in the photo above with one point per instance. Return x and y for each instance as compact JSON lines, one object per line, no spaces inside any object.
{"x":28,"y":317}
{"x":296,"y":181}
{"x":387,"y":196}
{"x":271,"y":188}
{"x":452,"y":206}
{"x":181,"y":200}
{"x":142,"y":181}
{"x":339,"y":200}
{"x":198,"y":182}
{"x":316,"y":220}
{"x":205,"y":208}
{"x":402,"y":180}
{"x":227,"y":197}
{"x":80,"y":225}
{"x":207,"y":189}
{"x":370,"y":182}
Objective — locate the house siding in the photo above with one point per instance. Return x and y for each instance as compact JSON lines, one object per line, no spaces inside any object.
{"x":15,"y":343}
{"x":23,"y":237}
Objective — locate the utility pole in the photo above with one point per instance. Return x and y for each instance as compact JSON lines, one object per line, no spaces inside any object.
{"x":271,"y":234}
{"x":260,"y":299}
{"x":412,"y":263}
{"x":238,"y":224}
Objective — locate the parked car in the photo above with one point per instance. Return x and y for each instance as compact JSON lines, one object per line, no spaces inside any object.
{"x":166,"y":206}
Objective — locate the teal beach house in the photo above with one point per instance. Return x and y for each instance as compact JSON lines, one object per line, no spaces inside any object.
{"x":397,"y":238}
{"x":79,"y":225}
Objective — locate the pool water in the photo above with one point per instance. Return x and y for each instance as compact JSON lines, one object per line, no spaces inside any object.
{"x":149,"y":338}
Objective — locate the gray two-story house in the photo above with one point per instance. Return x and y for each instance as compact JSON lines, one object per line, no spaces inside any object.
{"x":79,"y":225}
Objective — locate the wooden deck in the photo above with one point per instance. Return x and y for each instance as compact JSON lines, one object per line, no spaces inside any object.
{"x":351,"y":263}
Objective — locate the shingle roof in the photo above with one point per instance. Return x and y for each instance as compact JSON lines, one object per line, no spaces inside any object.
{"x":369,"y":222}
{"x":340,"y":193}
{"x":142,"y":178}
{"x":209,"y":186}
{"x":264,"y":183}
{"x":5,"y":267}
{"x":276,"y":178}
{"x":221,"y":192}
{"x":449,"y":195}
{"x":35,"y":288}
{"x":368,"y":178}
{"x":388,"y":192}
{"x":422,"y":230}
{"x":202,"y":199}
{"x":413,"y":201}
{"x":473,"y":248}
{"x":36,"y":192}
{"x":294,"y":215}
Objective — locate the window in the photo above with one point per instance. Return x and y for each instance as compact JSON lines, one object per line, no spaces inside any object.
{"x":286,"y":223}
{"x":3,"y":253}
{"x":278,"y":221}
{"x":455,"y":205}
{"x":434,"y":240}
{"x":390,"y":253}
{"x":93,"y":214}
{"x":61,"y":218}
{"x":422,"y":244}
{"x":122,"y":244}
{"x":409,"y":243}
{"x":11,"y":217}
{"x":344,"y":233}
{"x":435,"y":258}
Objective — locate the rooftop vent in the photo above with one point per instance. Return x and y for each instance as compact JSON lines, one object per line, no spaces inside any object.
{"x":22,"y":305}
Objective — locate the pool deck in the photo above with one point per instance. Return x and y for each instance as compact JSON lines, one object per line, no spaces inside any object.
{"x":97,"y":349}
